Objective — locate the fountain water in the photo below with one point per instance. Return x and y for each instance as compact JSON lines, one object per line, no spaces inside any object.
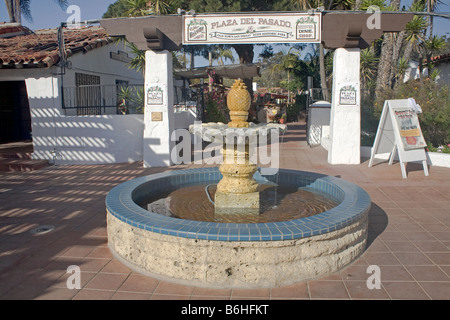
{"x":237,"y":244}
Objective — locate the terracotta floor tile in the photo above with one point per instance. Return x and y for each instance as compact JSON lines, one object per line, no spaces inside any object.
{"x":168,"y":288}
{"x":157,"y":296}
{"x":77,"y":251}
{"x":405,"y":290}
{"x":395,"y":273}
{"x":92,"y":265}
{"x":359,"y":290}
{"x":439,"y":257}
{"x":89,"y":294}
{"x":211,"y":292}
{"x":401,"y":246}
{"x":437,"y":290}
{"x":100,"y":253}
{"x":85,"y":278}
{"x":355,"y":272}
{"x":413,"y":258}
{"x":251,"y":293}
{"x":393,"y":236}
{"x":139,"y":283}
{"x":120,"y":295}
{"x":106,"y":281}
{"x":115,"y":266}
{"x":431,"y":246}
{"x":419,"y":236}
{"x":53,"y":293}
{"x":428,"y":273}
{"x":293,"y":291}
{"x":327,"y":290}
{"x":382,"y":259}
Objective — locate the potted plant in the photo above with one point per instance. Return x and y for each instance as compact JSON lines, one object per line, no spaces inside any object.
{"x":283,"y":118}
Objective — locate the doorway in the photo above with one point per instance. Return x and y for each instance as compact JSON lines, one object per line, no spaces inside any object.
{"x":15,"y":117}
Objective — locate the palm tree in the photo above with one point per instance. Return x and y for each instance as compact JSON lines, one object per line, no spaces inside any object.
{"x":432,"y":6}
{"x":369,"y":63}
{"x":224,"y":53}
{"x":136,"y":8}
{"x":386,"y":63}
{"x":401,"y":68}
{"x":159,"y":7}
{"x":17,"y":8}
{"x":415,"y":33}
{"x":288,"y":63}
{"x":138,"y":62}
{"x":139,"y":8}
{"x":432,"y":46}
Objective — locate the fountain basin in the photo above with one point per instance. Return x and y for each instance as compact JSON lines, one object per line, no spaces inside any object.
{"x":228,"y":255}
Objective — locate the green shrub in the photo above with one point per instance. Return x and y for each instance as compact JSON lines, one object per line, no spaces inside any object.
{"x":435,"y":102}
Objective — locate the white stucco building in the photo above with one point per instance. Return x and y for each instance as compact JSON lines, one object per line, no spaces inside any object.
{"x":62,"y":90}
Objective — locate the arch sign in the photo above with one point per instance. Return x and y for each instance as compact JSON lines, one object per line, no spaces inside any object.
{"x":252,"y":28}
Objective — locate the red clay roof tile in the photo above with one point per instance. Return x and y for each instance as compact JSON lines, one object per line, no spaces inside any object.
{"x":41,"y":47}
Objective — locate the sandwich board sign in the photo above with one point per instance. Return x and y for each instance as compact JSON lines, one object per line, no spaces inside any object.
{"x":399,"y":132}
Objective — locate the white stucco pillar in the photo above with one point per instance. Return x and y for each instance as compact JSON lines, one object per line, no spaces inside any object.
{"x":159,"y":113}
{"x":345,"y":118}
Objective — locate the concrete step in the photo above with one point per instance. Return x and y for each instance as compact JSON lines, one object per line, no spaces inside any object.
{"x":15,"y":155}
{"x":24,"y":165}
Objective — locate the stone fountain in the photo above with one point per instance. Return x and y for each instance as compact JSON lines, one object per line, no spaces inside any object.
{"x":237,"y":253}
{"x":237,"y":192}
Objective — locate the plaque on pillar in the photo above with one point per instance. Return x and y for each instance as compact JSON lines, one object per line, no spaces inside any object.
{"x":347,"y":95}
{"x":155,"y":94}
{"x":157,"y":116}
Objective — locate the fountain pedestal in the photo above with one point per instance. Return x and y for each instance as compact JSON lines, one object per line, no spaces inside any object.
{"x":237,"y":192}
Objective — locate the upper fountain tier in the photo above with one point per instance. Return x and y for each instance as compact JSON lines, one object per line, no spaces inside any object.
{"x":221,"y":132}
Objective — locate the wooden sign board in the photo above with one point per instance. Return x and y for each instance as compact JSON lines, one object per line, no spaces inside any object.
{"x":252,"y":28}
{"x":399,"y":132}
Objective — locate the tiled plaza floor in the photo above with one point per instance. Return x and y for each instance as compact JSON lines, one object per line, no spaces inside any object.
{"x":409,"y":236}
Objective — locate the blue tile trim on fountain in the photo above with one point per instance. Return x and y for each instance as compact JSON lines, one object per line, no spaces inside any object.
{"x":121,"y":202}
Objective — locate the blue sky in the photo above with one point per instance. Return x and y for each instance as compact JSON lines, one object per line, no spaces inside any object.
{"x":47,"y":14}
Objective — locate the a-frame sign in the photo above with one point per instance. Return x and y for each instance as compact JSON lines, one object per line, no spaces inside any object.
{"x":399,"y":132}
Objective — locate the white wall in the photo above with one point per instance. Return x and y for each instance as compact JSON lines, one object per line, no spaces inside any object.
{"x":90,"y":139}
{"x":83,"y":139}
{"x":183,"y":119}
{"x":98,"y":62}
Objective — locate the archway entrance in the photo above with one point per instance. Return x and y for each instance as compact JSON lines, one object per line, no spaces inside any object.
{"x":346,"y":32}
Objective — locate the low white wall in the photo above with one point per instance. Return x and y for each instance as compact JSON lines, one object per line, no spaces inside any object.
{"x":319,"y":123}
{"x":89,"y":139}
{"x":183,"y":119}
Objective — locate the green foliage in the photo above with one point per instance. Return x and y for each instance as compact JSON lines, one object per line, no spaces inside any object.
{"x":214,"y":108}
{"x":115,"y":10}
{"x":435,"y":102}
{"x":293,"y":110}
